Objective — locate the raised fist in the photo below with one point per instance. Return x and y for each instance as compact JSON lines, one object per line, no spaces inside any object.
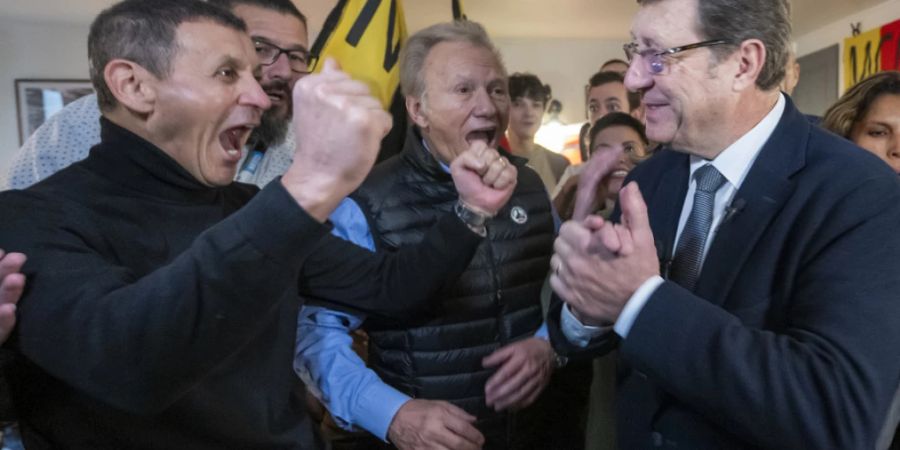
{"x":484,"y":179}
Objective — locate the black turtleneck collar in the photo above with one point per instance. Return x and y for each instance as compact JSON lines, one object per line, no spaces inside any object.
{"x":139,"y":166}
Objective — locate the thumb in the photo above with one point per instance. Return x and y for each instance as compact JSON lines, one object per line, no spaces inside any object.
{"x":478,"y":147}
{"x":585,"y":195}
{"x":497,"y":358}
{"x":470,"y":160}
{"x":634,"y":211}
{"x":459,"y":412}
{"x":331,"y":65}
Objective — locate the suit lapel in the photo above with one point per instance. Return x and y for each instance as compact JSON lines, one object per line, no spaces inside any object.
{"x":665,"y":205}
{"x":763,"y":192}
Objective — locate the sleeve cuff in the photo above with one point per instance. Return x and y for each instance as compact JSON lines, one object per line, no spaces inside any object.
{"x":576,"y":332}
{"x":542,"y":332}
{"x":277,"y":226}
{"x":376,"y":408}
{"x":635,"y":304}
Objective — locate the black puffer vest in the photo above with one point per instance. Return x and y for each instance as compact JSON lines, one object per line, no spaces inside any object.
{"x":495,"y":301}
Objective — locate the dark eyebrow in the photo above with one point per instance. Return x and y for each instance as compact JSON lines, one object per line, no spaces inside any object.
{"x":228,"y":60}
{"x":292,"y":48}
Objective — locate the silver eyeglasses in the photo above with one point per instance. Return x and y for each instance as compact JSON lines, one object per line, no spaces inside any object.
{"x":654,"y":60}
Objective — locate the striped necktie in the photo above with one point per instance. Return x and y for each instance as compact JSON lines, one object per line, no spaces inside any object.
{"x":689,"y":253}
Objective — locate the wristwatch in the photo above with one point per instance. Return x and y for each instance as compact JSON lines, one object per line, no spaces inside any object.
{"x":473,"y":219}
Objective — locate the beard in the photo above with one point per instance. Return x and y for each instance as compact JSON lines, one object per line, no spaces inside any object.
{"x":271,"y":131}
{"x":273,"y":124}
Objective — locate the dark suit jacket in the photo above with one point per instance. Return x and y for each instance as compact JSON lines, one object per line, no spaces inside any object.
{"x":792,"y":336}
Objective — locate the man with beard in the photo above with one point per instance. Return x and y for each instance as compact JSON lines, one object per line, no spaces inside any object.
{"x":279,"y":34}
{"x":163,"y":297}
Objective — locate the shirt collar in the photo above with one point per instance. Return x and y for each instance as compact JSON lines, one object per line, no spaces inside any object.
{"x":735,"y":161}
{"x":445,"y":167}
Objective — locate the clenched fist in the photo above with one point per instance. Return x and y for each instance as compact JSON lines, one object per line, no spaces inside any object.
{"x":339,"y":127}
{"x":484,"y":178}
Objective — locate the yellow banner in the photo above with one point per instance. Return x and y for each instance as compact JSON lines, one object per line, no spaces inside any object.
{"x":861,"y":56}
{"x":365,"y":38}
{"x":458,"y":11}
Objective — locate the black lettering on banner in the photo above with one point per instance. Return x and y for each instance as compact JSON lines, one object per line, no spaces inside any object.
{"x":391,"y":54}
{"x":869,"y":61}
{"x":362,"y":22}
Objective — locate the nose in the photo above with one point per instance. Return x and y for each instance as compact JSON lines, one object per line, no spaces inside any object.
{"x":281,"y":68}
{"x":637,"y":78}
{"x":252,"y":95}
{"x":894,"y":147}
{"x":484,"y":104}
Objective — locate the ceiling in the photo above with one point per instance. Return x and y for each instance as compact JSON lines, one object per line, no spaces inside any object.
{"x":594,"y":19}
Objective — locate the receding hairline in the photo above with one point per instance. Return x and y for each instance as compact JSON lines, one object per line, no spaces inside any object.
{"x":430,"y":60}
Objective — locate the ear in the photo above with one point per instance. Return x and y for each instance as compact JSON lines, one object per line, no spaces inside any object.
{"x":133,"y":86}
{"x":751,"y":58}
{"x":416,"y":111}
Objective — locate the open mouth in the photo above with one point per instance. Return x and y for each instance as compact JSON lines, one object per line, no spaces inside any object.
{"x":654,"y":106}
{"x":486,"y":135}
{"x":233,"y":139}
{"x":620,"y":173}
{"x":276,"y":95}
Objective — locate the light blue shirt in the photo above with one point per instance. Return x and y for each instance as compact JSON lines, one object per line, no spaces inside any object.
{"x":733,"y":163}
{"x":325,"y":361}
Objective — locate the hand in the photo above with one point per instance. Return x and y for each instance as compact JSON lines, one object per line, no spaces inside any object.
{"x":564,"y":202}
{"x":484,"y":179}
{"x":590,"y":182}
{"x":598,"y":265}
{"x":339,"y":127}
{"x":524,"y":370}
{"x":430,"y":424}
{"x":12,"y":283}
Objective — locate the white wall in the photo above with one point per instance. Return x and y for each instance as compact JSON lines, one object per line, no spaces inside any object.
{"x":564,"y":64}
{"x":34,"y":50}
{"x":836,"y":32}
{"x":58,"y":50}
{"x":54,"y":50}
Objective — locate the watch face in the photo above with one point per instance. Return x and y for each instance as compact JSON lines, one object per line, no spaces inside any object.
{"x":468,"y":216}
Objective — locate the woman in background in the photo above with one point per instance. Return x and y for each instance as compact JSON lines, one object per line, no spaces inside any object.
{"x":617,"y":143}
{"x":869,"y":115}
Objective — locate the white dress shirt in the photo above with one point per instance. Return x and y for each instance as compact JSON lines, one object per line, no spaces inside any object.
{"x":733,"y":163}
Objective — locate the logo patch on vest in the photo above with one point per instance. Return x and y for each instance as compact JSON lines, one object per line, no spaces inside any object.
{"x":518,"y":215}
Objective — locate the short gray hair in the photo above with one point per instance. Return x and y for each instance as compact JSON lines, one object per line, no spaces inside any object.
{"x":144,"y":32}
{"x":739,"y":20}
{"x":412,"y":57}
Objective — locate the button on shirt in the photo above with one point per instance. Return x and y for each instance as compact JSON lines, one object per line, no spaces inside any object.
{"x":734,"y":163}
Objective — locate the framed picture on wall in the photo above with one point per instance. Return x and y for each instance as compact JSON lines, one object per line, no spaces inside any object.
{"x":37,"y":100}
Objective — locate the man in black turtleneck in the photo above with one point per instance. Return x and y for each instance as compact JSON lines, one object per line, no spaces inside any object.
{"x":162,"y":298}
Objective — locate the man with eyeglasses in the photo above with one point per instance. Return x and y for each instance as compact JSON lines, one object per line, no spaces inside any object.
{"x":753,"y":297}
{"x":276,"y":27}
